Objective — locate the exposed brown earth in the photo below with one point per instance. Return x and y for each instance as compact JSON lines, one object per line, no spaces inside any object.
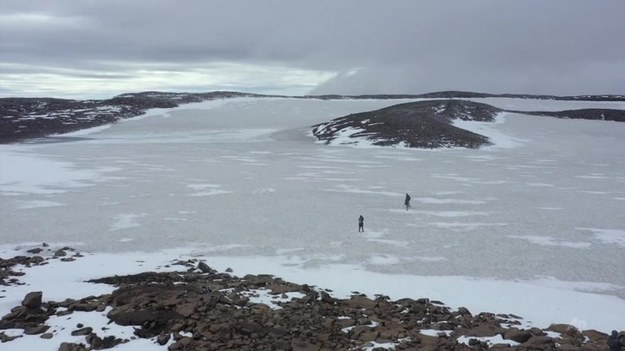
{"x":198,"y":308}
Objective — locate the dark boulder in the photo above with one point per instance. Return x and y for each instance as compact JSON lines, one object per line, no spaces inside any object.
{"x":32,"y":299}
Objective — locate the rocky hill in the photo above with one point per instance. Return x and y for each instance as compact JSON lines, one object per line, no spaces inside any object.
{"x":429,"y":124}
{"x":29,"y":118}
{"x":423,"y":124}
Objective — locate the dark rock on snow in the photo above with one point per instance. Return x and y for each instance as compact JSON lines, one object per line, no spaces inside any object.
{"x":32,"y":299}
{"x":215,"y":312}
{"x":29,"y":118}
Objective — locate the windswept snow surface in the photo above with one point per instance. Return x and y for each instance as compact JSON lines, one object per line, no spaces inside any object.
{"x":534,"y":227}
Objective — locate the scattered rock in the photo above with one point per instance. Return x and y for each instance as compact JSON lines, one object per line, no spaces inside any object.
{"x":361,"y":302}
{"x":82,"y":331}
{"x":5,"y":338}
{"x":463,"y":311}
{"x":540,"y":341}
{"x":517,"y":335}
{"x":39,"y":329}
{"x":206,"y":310}
{"x":565,"y":329}
{"x":98,"y":343}
{"x":204,"y":268}
{"x":163,"y":338}
{"x":180,"y":344}
{"x":6,"y":265}
{"x":68,"y":346}
{"x":32,"y":299}
{"x":595,"y":335}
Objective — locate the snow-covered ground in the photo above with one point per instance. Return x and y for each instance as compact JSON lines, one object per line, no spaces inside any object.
{"x":533,"y":226}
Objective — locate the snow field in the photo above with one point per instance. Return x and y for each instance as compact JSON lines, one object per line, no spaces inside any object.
{"x":535,"y":228}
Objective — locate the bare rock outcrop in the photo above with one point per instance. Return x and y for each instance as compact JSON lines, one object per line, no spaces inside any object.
{"x":202,"y":309}
{"x":422,"y":124}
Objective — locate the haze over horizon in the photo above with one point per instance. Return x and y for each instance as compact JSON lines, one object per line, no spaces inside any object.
{"x":97,"y":49}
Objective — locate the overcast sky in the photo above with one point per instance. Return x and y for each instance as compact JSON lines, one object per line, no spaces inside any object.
{"x":93,"y":49}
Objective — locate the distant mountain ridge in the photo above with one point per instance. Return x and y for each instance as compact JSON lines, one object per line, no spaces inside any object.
{"x":451,"y":94}
{"x":28,"y":118}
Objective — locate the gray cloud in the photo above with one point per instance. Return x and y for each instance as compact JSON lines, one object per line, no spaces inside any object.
{"x":349,"y":47}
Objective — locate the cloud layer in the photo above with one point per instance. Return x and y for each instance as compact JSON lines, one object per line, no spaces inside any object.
{"x":296,"y":47}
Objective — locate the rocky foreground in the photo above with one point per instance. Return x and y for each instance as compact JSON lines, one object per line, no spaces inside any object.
{"x":197,"y":308}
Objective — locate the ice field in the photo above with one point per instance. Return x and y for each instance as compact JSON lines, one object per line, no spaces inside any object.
{"x":537,"y":220}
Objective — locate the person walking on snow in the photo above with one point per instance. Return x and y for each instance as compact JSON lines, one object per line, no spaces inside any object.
{"x":361,"y":224}
{"x":407,"y":202}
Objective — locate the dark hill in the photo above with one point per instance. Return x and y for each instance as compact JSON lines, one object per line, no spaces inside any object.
{"x":422,"y":124}
{"x":428,"y":124}
{"x":29,"y":118}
